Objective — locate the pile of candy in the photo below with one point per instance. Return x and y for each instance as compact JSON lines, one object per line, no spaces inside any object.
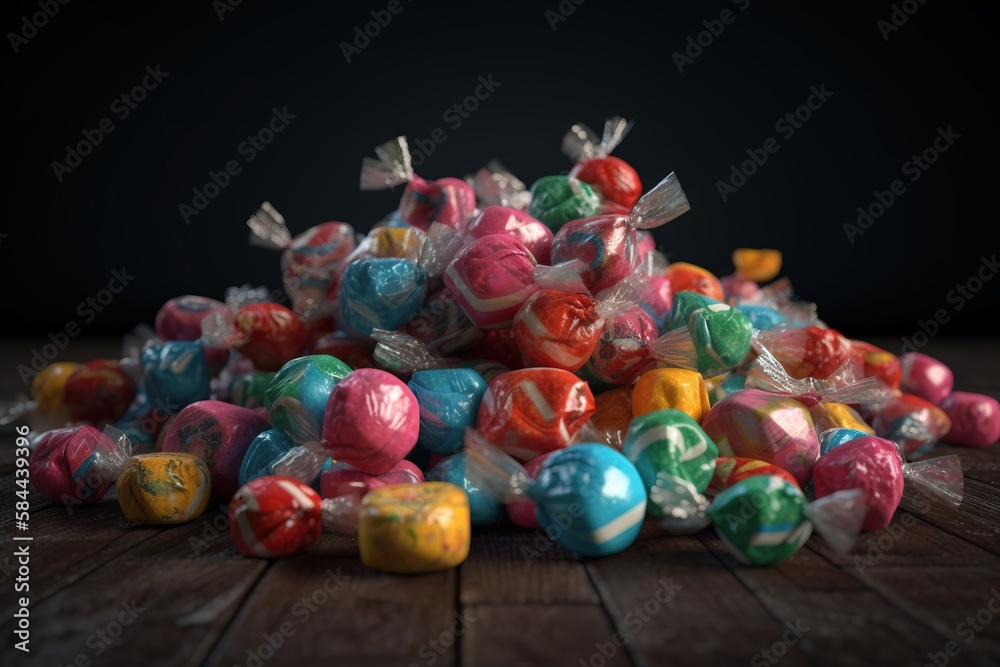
{"x":488,"y":350}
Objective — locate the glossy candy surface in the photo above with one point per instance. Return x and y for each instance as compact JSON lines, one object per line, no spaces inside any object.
{"x":273,"y":517}
{"x":555,"y":200}
{"x":674,"y":388}
{"x":63,"y":465}
{"x":449,"y":402}
{"x":381,"y":293}
{"x":484,"y":509}
{"x":869,"y":463}
{"x":491,"y":278}
{"x":164,"y":488}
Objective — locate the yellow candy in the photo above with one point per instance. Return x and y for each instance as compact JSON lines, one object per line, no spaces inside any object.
{"x":838,"y":415}
{"x":47,"y":387}
{"x":676,"y":388}
{"x":757,"y":265}
{"x":164,"y":487}
{"x":395,"y":242}
{"x":412,"y":528}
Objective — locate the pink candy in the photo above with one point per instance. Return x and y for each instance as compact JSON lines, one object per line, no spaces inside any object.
{"x":871,"y":464}
{"x":975,"y":419}
{"x":343,"y":479}
{"x":523,"y":513}
{"x":491,"y":279}
{"x":925,"y":377}
{"x":62,"y":466}
{"x":535,"y":236}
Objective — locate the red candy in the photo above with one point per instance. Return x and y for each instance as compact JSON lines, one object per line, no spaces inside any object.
{"x":343,"y":479}
{"x":686,"y":277}
{"x":557,"y":329}
{"x":523,"y":513}
{"x":975,"y":419}
{"x":871,"y":464}
{"x":180,"y":318}
{"x":62,"y":465}
{"x":878,"y":364}
{"x":269,"y":335}
{"x":273,"y":517}
{"x":911,"y":421}
{"x":808,"y":352}
{"x":534,"y":411}
{"x":99,"y":392}
{"x":612,"y":178}
{"x":732,"y":469}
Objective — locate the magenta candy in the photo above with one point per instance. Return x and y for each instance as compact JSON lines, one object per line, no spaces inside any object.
{"x":491,"y":278}
{"x":180,"y":318}
{"x":925,"y":377}
{"x":737,"y":289}
{"x":646,"y":241}
{"x":523,"y":513}
{"x":343,"y":479}
{"x":372,"y":421}
{"x":447,"y":200}
{"x":768,"y":427}
{"x":61,"y":465}
{"x":219,"y":434}
{"x":535,"y":236}
{"x":871,"y":464}
{"x":607,"y":245}
{"x":975,"y":419}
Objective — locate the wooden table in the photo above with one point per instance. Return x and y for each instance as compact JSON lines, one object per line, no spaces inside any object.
{"x":104,"y":592}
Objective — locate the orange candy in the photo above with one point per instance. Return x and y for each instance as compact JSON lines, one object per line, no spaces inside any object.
{"x":732,"y":469}
{"x":757,"y":265}
{"x":686,"y":277}
{"x":613,"y":415}
{"x":676,"y":388}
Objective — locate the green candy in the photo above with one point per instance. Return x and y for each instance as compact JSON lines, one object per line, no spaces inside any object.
{"x":685,"y":303}
{"x":761,"y":519}
{"x":298,"y":394}
{"x":555,"y":200}
{"x":670,"y":442}
{"x":721,"y":336}
{"x":247,"y":390}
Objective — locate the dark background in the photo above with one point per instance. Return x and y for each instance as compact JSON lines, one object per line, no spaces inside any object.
{"x":120,"y":206}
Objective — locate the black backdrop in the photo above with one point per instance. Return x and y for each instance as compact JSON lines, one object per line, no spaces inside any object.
{"x":224,"y":77}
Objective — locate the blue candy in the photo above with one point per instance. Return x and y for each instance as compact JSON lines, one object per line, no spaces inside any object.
{"x":591,"y":500}
{"x":175,"y":374}
{"x":298,"y":394}
{"x":262,"y":452}
{"x":449,"y":403}
{"x":381,"y":293}
{"x":835,"y":437}
{"x":485,"y":510}
{"x":761,"y":317}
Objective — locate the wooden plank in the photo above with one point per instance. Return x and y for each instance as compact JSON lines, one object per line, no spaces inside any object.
{"x":158,"y":604}
{"x":554,"y":634}
{"x":336,"y":611}
{"x":977,"y":520}
{"x":710,"y":617}
{"x":512,"y":565}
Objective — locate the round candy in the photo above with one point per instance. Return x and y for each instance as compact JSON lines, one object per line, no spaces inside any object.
{"x":447,"y":201}
{"x":413,"y":528}
{"x":731,"y":470}
{"x":835,"y":437}
{"x":591,"y":500}
{"x":180,"y":318}
{"x":247,"y":390}
{"x":309,"y":260}
{"x":220,"y":434}
{"x":761,"y":519}
{"x":264,"y":450}
{"x":671,"y":442}
{"x":611,"y":178}
{"x":47,"y":387}
{"x":269,"y":335}
{"x":484,"y":509}
{"x":916,"y":424}
{"x":721,"y":337}
{"x":878,"y":364}
{"x":533,"y":411}
{"x":837,"y":415}
{"x":449,"y":404}
{"x":659,"y":299}
{"x":975,"y":419}
{"x":63,"y":465}
{"x":607,"y":246}
{"x":555,"y":200}
{"x":175,"y":374}
{"x":273,"y":517}
{"x":535,"y":236}
{"x":298,"y":395}
{"x":523,"y":512}
{"x":381,"y":293}
{"x":343,"y":479}
{"x":98,"y":392}
{"x":808,"y":352}
{"x":491,"y":278}
{"x":372,"y":421}
{"x":761,"y":317}
{"x":684,"y":306}
{"x":925,"y":377}
{"x":759,"y":425}
{"x":162,"y":488}
{"x":675,"y":388}
{"x":757,"y":265}
{"x":623,"y":350}
{"x":557,"y":329}
{"x":686,"y":277}
{"x":868,"y":463}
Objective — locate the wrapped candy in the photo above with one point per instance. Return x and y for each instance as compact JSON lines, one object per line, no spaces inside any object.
{"x":449,"y":402}
{"x":414,"y":528}
{"x":925,"y":377}
{"x":491,"y":278}
{"x":557,"y":329}
{"x":78,"y":465}
{"x":267,"y":333}
{"x":873,"y":465}
{"x":612,"y":416}
{"x":162,"y":488}
{"x":273,"y":517}
{"x":808,"y":351}
{"x":343,"y":479}
{"x":613,"y":179}
{"x":759,"y":425}
{"x":263,"y":451}
{"x":685,"y":277}
{"x":877,"y":363}
{"x":761,"y":317}
{"x":180,"y":318}
{"x":303,"y":384}
{"x":915,"y":424}
{"x":98,"y":392}
{"x":496,"y":186}
{"x":381,"y":293}
{"x":176,"y":373}
{"x":765,"y":519}
{"x":448,"y":201}
{"x":730,"y":470}
{"x":674,"y":388}
{"x":624,"y":350}
{"x":247,"y":390}
{"x":837,"y":415}
{"x":484,"y":509}
{"x":534,"y":235}
{"x":533,"y":411}
{"x":975,"y":419}
{"x":590,"y":498}
{"x":721,"y":336}
{"x":737,"y":289}
{"x":758,"y":265}
{"x":352,"y":351}
{"x":555,"y":200}
{"x":835,"y":437}
{"x":440,"y":316}
{"x":522,"y":512}
{"x":47,"y":391}
{"x":218,"y":433}
{"x":608,"y":244}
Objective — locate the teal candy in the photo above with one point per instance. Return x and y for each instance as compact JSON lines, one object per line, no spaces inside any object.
{"x":556,"y":200}
{"x":590,"y":499}
{"x":671,"y":442}
{"x":248,"y":389}
{"x":722,"y":337}
{"x":263,"y":451}
{"x":685,"y":304}
{"x":176,"y":374}
{"x":449,"y":403}
{"x":761,"y":317}
{"x":484,"y":509}
{"x":381,"y":293}
{"x":302,"y":388}
{"x":835,"y":437}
